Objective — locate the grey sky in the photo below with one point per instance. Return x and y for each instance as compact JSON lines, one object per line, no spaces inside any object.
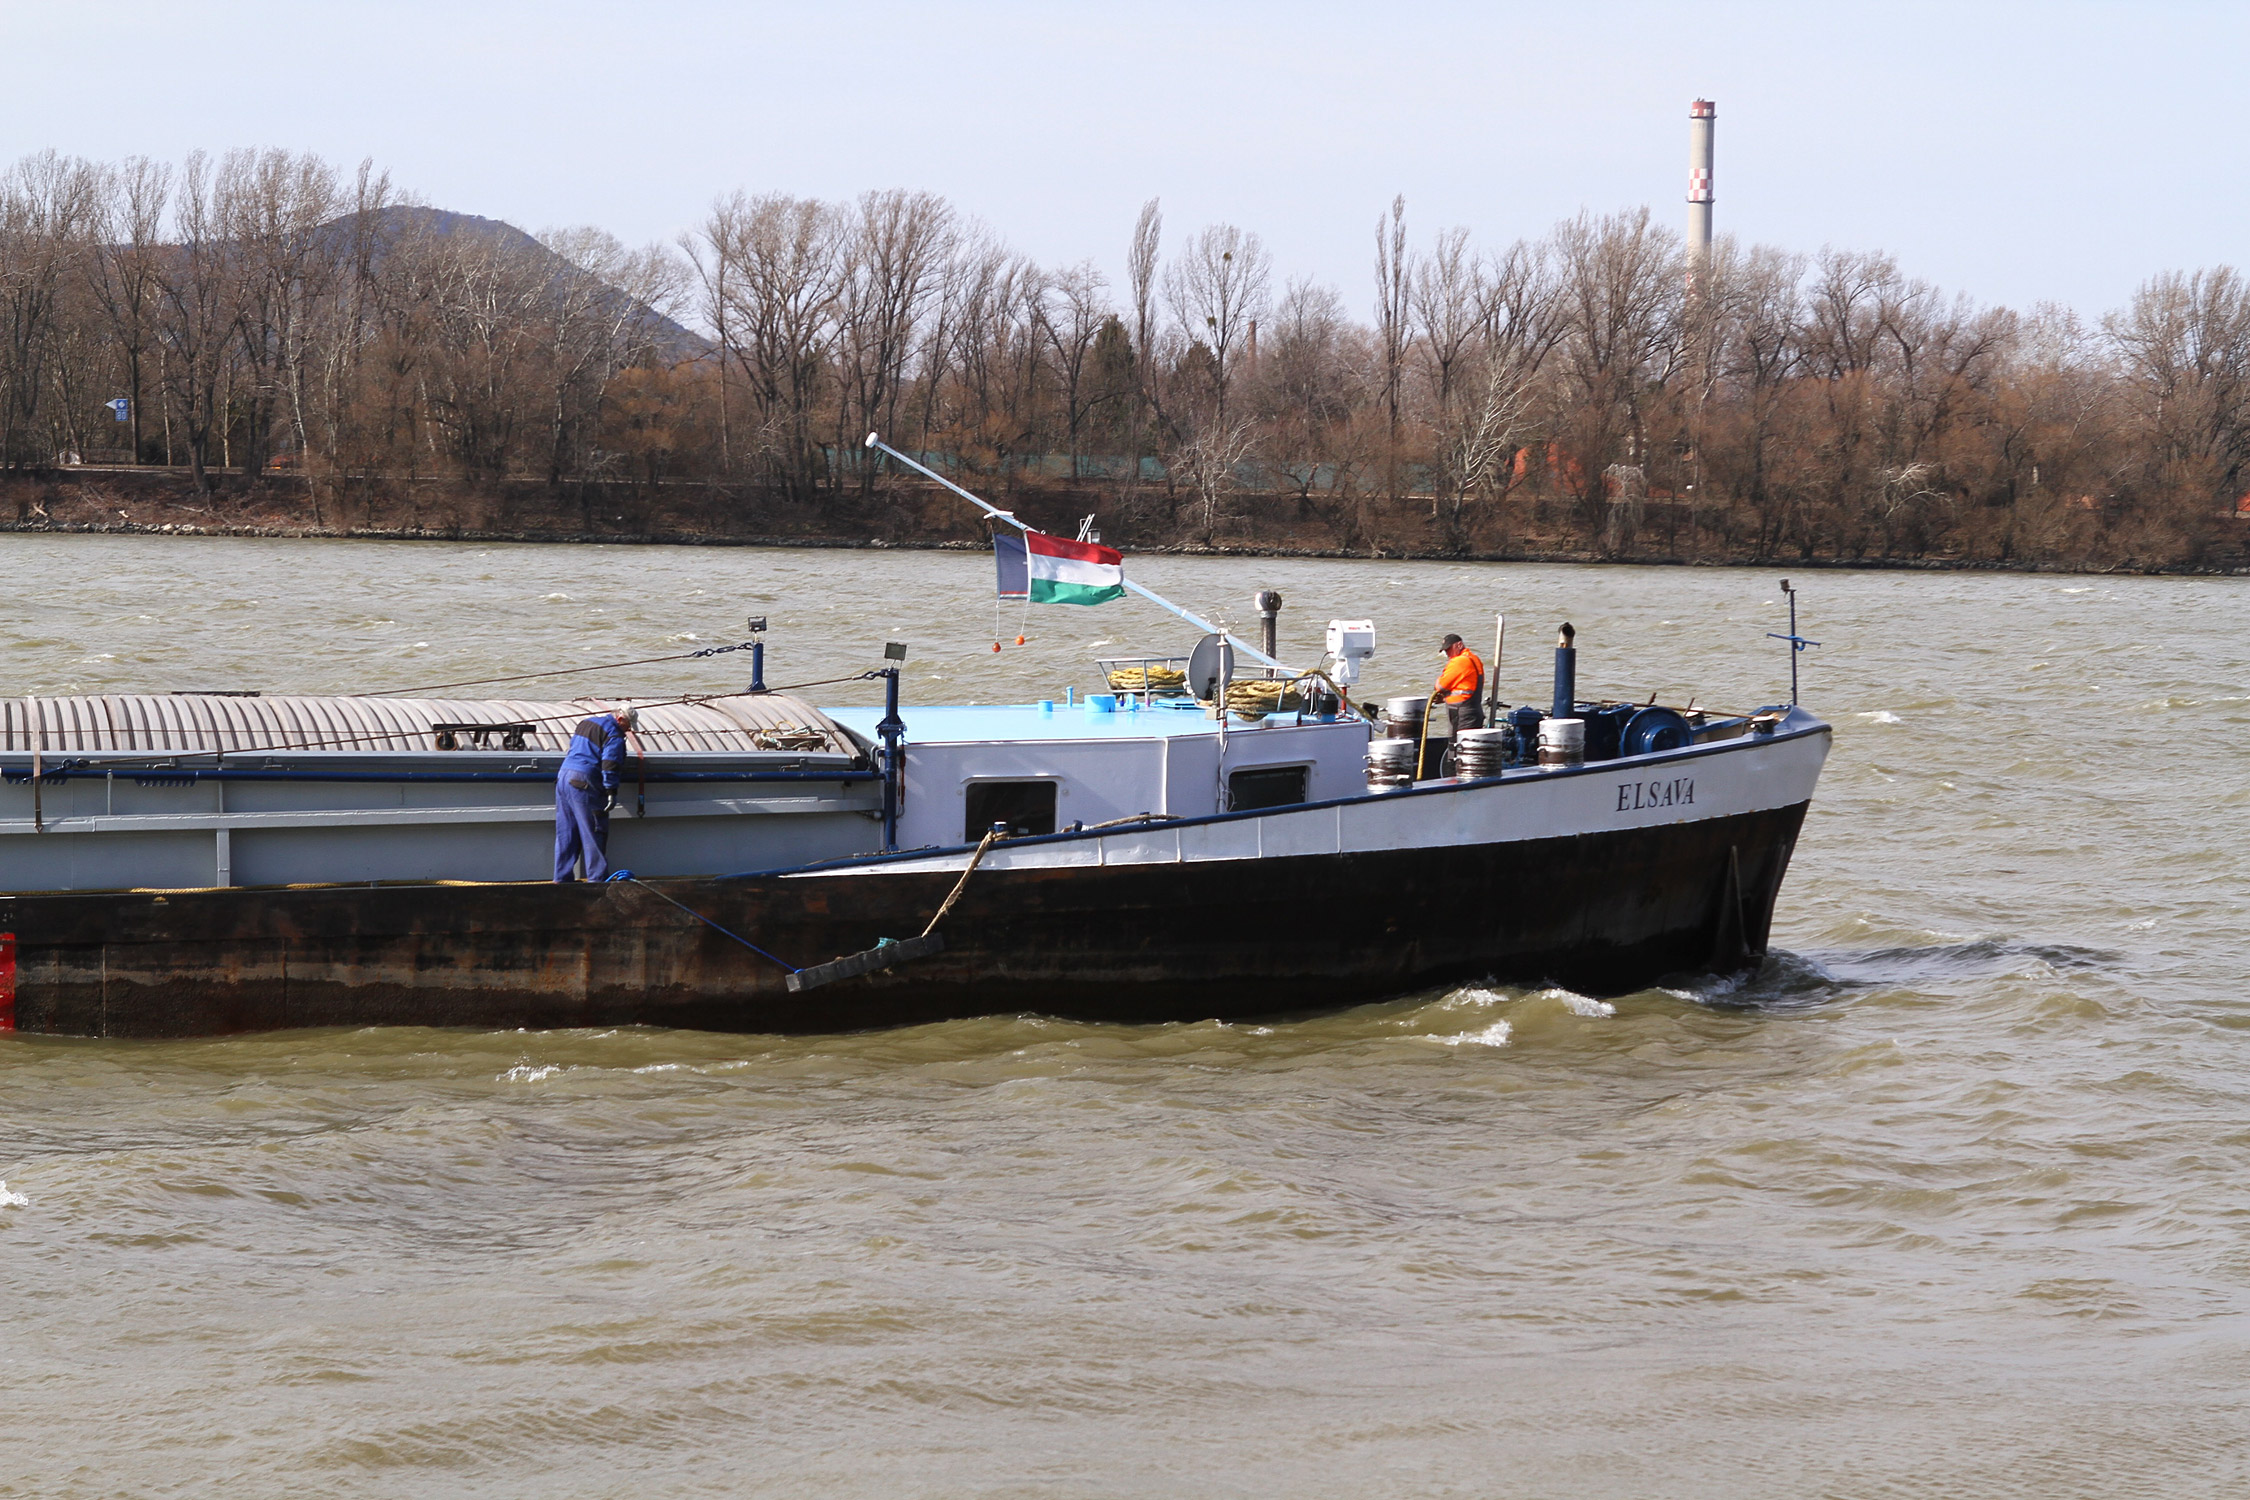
{"x":2018,"y":152}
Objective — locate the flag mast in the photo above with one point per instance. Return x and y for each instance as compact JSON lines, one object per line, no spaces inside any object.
{"x":1153,"y":597}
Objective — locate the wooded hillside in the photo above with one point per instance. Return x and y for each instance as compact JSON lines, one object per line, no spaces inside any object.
{"x":264,"y":314}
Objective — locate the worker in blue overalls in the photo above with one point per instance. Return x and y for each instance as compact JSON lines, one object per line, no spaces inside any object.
{"x":584,"y":789}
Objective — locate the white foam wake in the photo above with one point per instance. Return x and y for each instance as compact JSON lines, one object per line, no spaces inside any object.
{"x":1579,"y":1005}
{"x":1495,"y":1035}
{"x":12,"y":1200}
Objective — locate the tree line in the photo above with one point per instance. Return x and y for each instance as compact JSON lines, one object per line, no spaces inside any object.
{"x":1591,"y":389}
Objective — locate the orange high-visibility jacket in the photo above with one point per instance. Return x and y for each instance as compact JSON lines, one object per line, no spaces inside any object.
{"x":1462,"y":678}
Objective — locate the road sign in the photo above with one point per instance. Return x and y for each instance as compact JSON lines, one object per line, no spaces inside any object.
{"x":121,"y":408}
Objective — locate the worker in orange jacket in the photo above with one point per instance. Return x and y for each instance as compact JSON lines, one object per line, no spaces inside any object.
{"x":1460,"y":686}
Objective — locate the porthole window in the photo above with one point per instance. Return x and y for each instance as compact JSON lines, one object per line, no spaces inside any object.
{"x":1268,"y":786}
{"x":1027,"y":807}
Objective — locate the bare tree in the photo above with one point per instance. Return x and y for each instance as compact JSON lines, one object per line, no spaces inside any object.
{"x":1393,"y":330}
{"x":1446,"y":296}
{"x":784,"y":281}
{"x":273,"y":208}
{"x":201,"y":291}
{"x":1208,"y":458}
{"x":1308,"y":390}
{"x":2185,"y":344}
{"x":1073,"y":312}
{"x":709,"y":270}
{"x":1217,"y":289}
{"x":940,"y":334}
{"x":1140,"y":271}
{"x":482,"y":372}
{"x":1619,"y":286}
{"x":606,"y":310}
{"x":1755,"y":303}
{"x":997,"y":348}
{"x":128,"y":235}
{"x":1479,"y":444}
{"x":894,"y":252}
{"x":47,"y":211}
{"x":330,"y":370}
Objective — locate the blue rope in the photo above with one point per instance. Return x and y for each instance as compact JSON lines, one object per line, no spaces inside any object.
{"x":628,"y":875}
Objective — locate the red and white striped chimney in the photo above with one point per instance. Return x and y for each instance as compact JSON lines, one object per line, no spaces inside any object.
{"x":1703,"y":115}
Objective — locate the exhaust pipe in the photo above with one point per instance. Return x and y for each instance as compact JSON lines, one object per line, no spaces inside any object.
{"x":1566,"y":675}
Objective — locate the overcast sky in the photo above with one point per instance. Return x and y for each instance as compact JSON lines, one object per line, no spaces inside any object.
{"x":2019,"y":152}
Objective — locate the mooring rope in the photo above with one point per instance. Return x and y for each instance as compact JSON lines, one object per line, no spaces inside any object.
{"x":607,"y":666}
{"x":631,"y":879}
{"x":991,"y":837}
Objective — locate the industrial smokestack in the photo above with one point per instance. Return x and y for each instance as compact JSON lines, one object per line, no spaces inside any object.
{"x":1703,"y":115}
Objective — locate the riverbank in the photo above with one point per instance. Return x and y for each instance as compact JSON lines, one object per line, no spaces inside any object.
{"x":152,"y":501}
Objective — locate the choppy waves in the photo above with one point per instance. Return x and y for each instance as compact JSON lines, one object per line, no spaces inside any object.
{"x":1943,"y":1198}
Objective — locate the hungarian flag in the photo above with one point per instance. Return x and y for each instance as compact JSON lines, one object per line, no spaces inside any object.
{"x":1062,"y":572}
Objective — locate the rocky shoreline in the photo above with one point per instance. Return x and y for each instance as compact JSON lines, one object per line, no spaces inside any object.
{"x":156,"y":502}
{"x":1184,"y":549}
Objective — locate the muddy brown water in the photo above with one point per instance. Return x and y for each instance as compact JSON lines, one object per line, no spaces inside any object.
{"x":1950,"y":1199}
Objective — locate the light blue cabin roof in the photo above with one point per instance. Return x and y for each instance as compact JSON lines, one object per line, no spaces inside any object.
{"x":933,"y":724}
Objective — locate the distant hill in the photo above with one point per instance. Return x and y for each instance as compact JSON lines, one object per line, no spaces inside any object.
{"x":673,"y":341}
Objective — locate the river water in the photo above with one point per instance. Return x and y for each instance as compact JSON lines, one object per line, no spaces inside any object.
{"x":1950,"y":1200}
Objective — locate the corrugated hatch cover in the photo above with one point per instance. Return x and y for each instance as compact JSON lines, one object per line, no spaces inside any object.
{"x":189,"y":723}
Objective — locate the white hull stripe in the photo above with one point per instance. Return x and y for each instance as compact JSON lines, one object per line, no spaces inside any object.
{"x":1694,"y":785}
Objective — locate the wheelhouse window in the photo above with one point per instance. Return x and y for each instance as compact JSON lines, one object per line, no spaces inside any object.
{"x":1027,"y":807}
{"x":1268,"y":786}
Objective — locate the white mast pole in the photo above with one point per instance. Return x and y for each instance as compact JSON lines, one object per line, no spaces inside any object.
{"x":1150,"y":595}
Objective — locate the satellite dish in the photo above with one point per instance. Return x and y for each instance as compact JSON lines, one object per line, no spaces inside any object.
{"x":1212,"y":657}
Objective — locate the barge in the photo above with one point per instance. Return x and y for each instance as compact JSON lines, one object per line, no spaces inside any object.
{"x":189,"y":866}
{"x":1190,"y":844}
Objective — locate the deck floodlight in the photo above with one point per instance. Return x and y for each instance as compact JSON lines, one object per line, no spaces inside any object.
{"x":894,"y":650}
{"x":1351,"y":644}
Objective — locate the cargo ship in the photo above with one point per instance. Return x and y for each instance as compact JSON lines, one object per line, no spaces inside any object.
{"x":1217,"y":835}
{"x":181,"y":865}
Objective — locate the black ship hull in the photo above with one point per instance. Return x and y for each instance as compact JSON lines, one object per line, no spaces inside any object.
{"x":1600,"y":912}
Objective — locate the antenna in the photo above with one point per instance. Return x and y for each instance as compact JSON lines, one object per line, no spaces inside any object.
{"x":1797,"y":643}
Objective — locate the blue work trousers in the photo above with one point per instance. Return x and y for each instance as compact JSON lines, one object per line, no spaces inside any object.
{"x":581,"y":831}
